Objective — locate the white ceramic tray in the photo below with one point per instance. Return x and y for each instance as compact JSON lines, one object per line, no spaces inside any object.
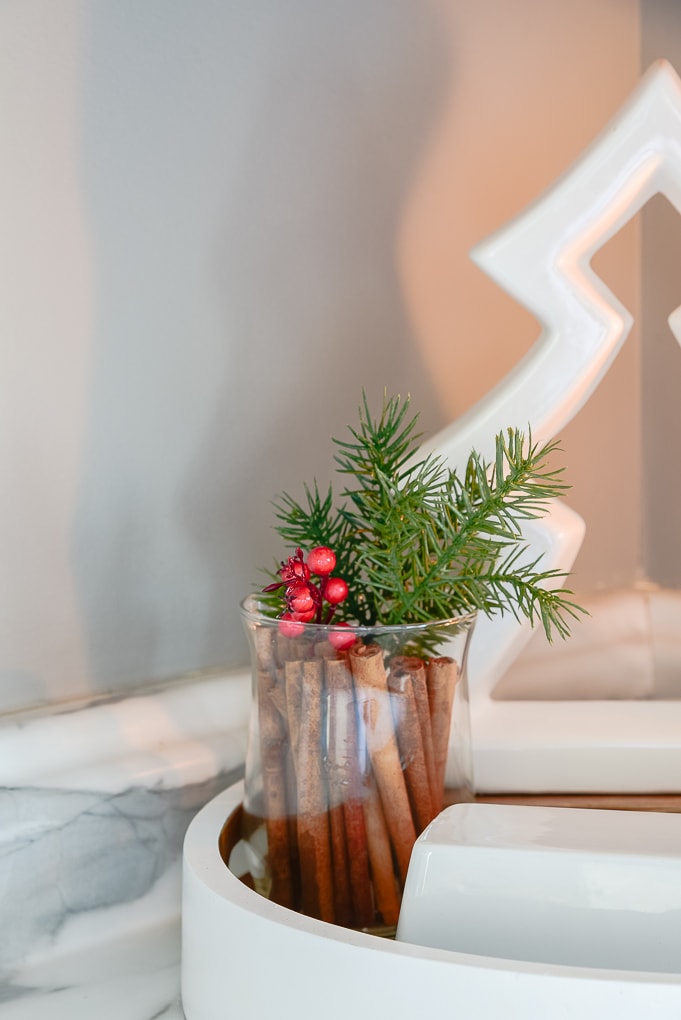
{"x":244,"y":956}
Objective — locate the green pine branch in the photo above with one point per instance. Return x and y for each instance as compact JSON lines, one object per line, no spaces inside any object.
{"x":415,"y":541}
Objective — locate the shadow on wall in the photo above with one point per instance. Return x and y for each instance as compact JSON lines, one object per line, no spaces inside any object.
{"x":245,"y":168}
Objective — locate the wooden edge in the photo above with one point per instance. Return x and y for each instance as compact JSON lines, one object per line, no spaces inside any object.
{"x":664,"y":802}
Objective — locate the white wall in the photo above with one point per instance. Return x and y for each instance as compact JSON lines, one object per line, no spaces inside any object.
{"x":219,"y":221}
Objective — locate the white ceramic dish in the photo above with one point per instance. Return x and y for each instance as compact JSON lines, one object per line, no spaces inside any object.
{"x":583,"y":888}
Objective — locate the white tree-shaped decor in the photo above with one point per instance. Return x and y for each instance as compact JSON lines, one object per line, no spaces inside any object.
{"x":542,"y":259}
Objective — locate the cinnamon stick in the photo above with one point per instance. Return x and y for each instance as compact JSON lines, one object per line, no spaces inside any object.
{"x":336,"y":768}
{"x":264,"y":640}
{"x":352,"y":887}
{"x":371,"y":684}
{"x":441,"y":677}
{"x":410,"y":742}
{"x":293,"y":687}
{"x":380,"y":855}
{"x":342,"y":896}
{"x":286,"y":697}
{"x":417,"y":671}
{"x":273,"y":750}
{"x":314,"y":845}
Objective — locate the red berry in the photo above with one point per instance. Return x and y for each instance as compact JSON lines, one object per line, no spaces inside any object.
{"x":301,"y":602}
{"x":305,"y":616}
{"x":335,"y":590}
{"x":293,"y":570}
{"x":290,"y":627}
{"x":321,"y":560}
{"x":341,"y":639}
{"x":296,"y":585}
{"x":294,"y":567}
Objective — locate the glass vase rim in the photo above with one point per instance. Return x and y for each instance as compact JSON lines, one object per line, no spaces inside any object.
{"x":257,"y":615}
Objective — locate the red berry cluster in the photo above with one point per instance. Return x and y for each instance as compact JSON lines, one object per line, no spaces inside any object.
{"x":308,"y":601}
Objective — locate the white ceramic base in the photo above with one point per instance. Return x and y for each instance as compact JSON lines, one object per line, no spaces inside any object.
{"x":243,"y":956}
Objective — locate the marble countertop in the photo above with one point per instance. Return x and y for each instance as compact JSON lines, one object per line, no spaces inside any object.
{"x":131,"y":978}
{"x":94,"y":804}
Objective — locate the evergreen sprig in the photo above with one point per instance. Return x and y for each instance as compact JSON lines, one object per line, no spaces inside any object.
{"x":417,"y":542}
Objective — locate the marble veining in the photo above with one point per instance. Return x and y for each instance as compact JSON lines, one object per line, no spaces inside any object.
{"x":66,"y":853}
{"x":94,"y":805}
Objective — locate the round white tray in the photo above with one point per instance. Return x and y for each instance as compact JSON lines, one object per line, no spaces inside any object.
{"x":243,"y":956}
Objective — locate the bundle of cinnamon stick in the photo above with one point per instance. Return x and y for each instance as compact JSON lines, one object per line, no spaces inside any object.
{"x":353,"y":753}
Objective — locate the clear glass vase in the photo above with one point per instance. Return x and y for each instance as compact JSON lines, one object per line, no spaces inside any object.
{"x":351,"y":733}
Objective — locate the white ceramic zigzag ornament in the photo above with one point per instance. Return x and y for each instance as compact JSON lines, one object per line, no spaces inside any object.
{"x":542,"y":258}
